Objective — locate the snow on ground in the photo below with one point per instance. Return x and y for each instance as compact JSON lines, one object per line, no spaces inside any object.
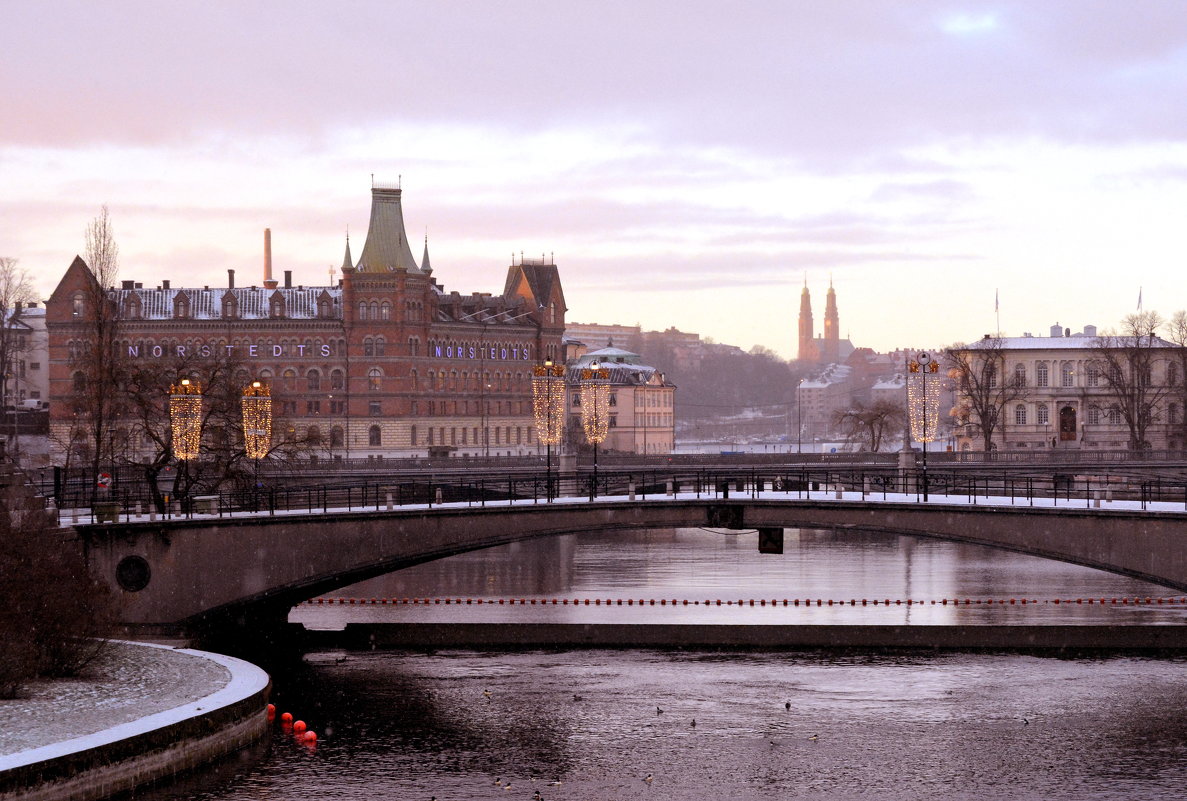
{"x":129,"y":682}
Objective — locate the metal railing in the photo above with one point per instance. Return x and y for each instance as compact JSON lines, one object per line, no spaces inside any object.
{"x":1082,"y":490}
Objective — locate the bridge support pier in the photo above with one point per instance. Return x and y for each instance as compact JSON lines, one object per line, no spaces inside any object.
{"x":770,"y":540}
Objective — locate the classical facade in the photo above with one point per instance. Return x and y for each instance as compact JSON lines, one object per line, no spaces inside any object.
{"x":383,"y":363}
{"x":1073,"y":392}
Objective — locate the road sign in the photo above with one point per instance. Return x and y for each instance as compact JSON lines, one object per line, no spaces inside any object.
{"x":104,"y":480}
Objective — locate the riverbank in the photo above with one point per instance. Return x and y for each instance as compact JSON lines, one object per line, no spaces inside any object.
{"x":1014,"y":637}
{"x":143,"y":712}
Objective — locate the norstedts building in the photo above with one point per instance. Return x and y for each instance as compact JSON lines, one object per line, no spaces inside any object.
{"x":383,"y":363}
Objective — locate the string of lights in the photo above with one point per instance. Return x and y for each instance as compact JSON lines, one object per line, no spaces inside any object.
{"x":256,"y":406}
{"x":185,"y":418}
{"x":548,"y":402}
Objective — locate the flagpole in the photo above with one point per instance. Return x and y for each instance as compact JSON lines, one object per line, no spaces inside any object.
{"x":997,"y":311}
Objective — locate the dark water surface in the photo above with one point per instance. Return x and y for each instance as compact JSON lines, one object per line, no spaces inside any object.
{"x":889,"y":725}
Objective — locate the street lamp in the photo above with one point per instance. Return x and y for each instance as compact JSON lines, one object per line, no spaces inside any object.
{"x":923,"y":403}
{"x":548,"y":409}
{"x":595,"y":402}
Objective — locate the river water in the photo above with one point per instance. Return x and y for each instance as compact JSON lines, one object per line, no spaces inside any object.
{"x":746,"y":725}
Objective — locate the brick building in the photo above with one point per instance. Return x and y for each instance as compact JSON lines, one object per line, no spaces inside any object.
{"x":383,"y":363}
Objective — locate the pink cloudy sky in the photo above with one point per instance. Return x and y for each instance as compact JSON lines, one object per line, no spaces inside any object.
{"x":687,"y":163}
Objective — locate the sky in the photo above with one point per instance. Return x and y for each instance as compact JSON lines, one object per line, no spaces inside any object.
{"x":686,"y":164}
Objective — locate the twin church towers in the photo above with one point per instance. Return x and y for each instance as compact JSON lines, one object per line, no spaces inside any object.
{"x":813,"y":349}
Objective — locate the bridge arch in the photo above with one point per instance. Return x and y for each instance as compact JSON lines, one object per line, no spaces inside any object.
{"x":206,"y":568}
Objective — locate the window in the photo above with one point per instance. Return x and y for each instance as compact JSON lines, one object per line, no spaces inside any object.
{"x":337,"y":407}
{"x":991,"y":374}
{"x":1020,"y":415}
{"x":380,"y":346}
{"x":1019,"y":375}
{"x":1092,"y":378}
{"x":313,"y":435}
{"x":1114,"y":416}
{"x":613,"y":398}
{"x":313,"y":381}
{"x":374,"y":436}
{"x":375,"y":409}
{"x":1173,"y":413}
{"x":362,"y":310}
{"x":374,"y":379}
{"x":313,"y":407}
{"x":1067,"y":376}
{"x":1172,"y":374}
{"x":337,"y":379}
{"x":1042,"y":414}
{"x":385,"y":311}
{"x":1041,"y":374}
{"x":290,"y":379}
{"x":79,"y":381}
{"x":368,"y":347}
{"x":337,"y":437}
{"x":412,"y":436}
{"x":613,"y":421}
{"x":76,"y":305}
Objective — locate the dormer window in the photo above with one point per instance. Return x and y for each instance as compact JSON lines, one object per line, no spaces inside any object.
{"x":77,"y":304}
{"x":276,"y":306}
{"x":230,"y":306}
{"x":132,"y":307}
{"x":181,"y":305}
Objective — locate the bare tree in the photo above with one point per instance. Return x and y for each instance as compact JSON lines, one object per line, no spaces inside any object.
{"x":869,"y":426}
{"x":96,"y":359}
{"x":16,"y":290}
{"x":1176,"y":380}
{"x":983,"y":386}
{"x":1125,"y":362}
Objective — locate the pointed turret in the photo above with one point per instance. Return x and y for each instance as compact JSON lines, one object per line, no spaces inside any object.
{"x":424,"y":261}
{"x":347,"y":263}
{"x":386,"y":248}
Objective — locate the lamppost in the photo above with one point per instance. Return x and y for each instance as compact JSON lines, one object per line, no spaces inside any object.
{"x":595,"y":401}
{"x":923,"y":404}
{"x":548,"y":409}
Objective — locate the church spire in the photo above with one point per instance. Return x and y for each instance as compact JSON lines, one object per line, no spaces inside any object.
{"x":424,"y":262}
{"x":831,"y":348}
{"x":807,"y":346}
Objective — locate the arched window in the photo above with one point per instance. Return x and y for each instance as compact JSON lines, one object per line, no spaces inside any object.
{"x":337,"y":437}
{"x":1020,"y":415}
{"x":230,"y":307}
{"x":380,"y":346}
{"x":1042,"y":414}
{"x":1093,"y":415}
{"x":1041,"y":374}
{"x":290,"y":379}
{"x":313,"y":435}
{"x":77,"y":304}
{"x":337,"y":379}
{"x":362,"y":310}
{"x":1019,"y":375}
{"x":1067,"y":375}
{"x":385,"y":311}
{"x":313,"y":381}
{"x":374,"y":310}
{"x":374,"y":436}
{"x":1114,"y":416}
{"x":374,"y":379}
{"x":368,"y":347}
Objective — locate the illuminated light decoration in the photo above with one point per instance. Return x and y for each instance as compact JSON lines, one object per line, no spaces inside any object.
{"x":256,"y":406}
{"x":185,"y":418}
{"x":548,"y":402}
{"x":923,"y":400}
{"x":595,"y":403}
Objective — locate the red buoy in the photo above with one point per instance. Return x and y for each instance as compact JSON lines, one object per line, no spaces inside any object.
{"x":299,"y":727}
{"x":286,"y":717}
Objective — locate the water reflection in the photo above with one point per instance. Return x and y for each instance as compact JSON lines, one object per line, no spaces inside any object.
{"x":700,"y":565}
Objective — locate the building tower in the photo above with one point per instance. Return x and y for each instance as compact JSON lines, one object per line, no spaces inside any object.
{"x":831,"y":348}
{"x":808,"y":351}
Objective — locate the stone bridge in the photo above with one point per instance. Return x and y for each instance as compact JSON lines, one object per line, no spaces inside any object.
{"x":175,"y":575}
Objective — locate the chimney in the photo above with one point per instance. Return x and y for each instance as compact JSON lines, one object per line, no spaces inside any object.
{"x":128,"y":285}
{"x":165,"y":284}
{"x":288,"y":279}
{"x":268,"y":282}
{"x":231,"y":278}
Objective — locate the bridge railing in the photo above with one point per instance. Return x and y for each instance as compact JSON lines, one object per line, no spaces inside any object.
{"x":802,"y":482}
